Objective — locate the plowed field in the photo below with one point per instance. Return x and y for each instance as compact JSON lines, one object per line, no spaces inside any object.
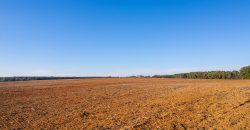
{"x":125,"y":103}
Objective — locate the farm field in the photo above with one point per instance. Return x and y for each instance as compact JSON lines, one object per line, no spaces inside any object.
{"x":125,"y":103}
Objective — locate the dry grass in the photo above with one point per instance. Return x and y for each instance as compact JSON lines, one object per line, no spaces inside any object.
{"x":125,"y":104}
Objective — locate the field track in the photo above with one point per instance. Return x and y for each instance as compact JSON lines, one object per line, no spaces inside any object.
{"x":125,"y":103}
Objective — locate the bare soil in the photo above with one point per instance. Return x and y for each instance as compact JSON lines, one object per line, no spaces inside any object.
{"x":125,"y":103}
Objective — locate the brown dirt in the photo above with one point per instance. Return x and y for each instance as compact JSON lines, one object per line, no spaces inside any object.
{"x":125,"y":103}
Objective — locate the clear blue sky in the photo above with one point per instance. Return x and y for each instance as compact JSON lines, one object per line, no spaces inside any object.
{"x":122,"y":37}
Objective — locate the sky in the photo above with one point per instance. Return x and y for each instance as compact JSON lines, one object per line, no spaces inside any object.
{"x":122,"y":37}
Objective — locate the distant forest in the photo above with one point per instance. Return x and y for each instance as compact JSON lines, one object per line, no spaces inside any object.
{"x":244,"y":73}
{"x":6,"y":79}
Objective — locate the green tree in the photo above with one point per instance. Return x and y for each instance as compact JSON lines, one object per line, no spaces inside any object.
{"x":245,"y":72}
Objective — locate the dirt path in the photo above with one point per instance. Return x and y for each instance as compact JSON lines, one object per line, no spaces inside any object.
{"x":131,"y":103}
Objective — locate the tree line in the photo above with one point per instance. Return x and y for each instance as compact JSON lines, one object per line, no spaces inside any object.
{"x":244,"y":73}
{"x":210,"y":75}
{"x":6,"y":79}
